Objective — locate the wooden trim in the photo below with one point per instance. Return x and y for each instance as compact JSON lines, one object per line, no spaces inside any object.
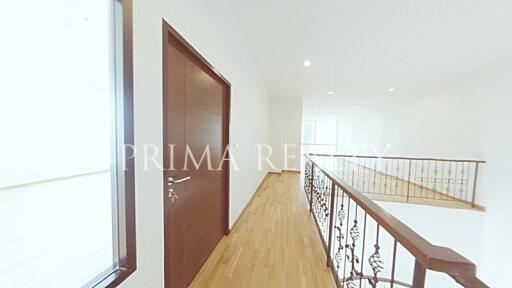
{"x":225,"y":143}
{"x":250,"y":201}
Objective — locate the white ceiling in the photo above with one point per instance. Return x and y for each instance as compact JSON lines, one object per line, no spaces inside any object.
{"x":364,"y":47}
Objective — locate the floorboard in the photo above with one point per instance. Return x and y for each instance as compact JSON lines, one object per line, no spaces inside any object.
{"x":274,"y":244}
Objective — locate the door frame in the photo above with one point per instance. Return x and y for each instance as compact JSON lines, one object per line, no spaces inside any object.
{"x":170,"y":34}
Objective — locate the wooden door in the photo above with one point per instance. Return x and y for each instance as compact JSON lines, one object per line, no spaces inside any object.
{"x":196,"y":122}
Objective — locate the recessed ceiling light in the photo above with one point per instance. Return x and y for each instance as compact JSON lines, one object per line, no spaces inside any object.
{"x":391,"y":89}
{"x":307,"y":62}
{"x":355,"y":107}
{"x":330,"y":92}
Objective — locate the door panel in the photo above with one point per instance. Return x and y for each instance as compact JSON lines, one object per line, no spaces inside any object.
{"x":203,"y":128}
{"x":195,"y":118}
{"x":200,"y":87}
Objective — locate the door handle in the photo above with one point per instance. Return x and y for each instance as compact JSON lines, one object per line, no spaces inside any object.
{"x":172,"y":193}
{"x":184,"y":179}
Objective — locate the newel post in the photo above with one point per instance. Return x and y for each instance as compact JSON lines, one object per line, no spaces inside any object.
{"x":420,"y":273}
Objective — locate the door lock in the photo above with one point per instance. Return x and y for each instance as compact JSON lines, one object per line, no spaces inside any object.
{"x":172,"y":193}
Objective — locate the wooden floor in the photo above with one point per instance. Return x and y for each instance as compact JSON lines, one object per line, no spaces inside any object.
{"x":274,"y":243}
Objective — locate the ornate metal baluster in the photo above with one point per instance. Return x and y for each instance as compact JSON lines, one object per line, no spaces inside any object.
{"x":321,"y":204}
{"x":449,"y":179}
{"x":466,"y":191}
{"x":442,"y":176}
{"x":358,"y":173}
{"x":340,"y":237}
{"x":393,"y":267}
{"x":353,"y":171}
{"x":427,"y":186}
{"x":345,"y":172}
{"x":362,"y":252}
{"x":422,"y":178}
{"x":375,"y":177}
{"x":308,"y":174}
{"x":462,"y":182}
{"x":396,"y":178}
{"x":333,"y":207}
{"x":376,"y":263}
{"x":436,"y":171}
{"x":346,"y":238}
{"x":314,"y":188}
{"x":405,"y":171}
{"x":386,"y":171}
{"x":318,"y":197}
{"x":455,"y":175}
{"x":364,"y":174}
{"x":409,"y":172}
{"x":354,"y":274}
{"x":326,"y":204}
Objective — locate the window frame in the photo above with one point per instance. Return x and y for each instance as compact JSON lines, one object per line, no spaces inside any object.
{"x":124,"y":219}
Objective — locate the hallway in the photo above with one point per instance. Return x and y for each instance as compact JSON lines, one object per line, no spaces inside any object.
{"x":274,"y":243}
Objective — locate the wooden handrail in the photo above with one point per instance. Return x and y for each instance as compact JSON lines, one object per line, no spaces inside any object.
{"x":397,"y":158}
{"x":432,"y":257}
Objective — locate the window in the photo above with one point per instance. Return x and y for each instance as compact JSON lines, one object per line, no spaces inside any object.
{"x":320,"y":136}
{"x":66,"y":189}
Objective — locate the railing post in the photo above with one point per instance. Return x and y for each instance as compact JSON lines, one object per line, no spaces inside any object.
{"x":420,"y":274}
{"x":409,"y":180}
{"x":311,"y":186}
{"x":474,"y":185}
{"x":331,"y":220}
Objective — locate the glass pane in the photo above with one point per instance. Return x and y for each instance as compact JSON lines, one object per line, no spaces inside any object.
{"x":326,"y":132}
{"x":56,"y":139}
{"x":308,"y":132}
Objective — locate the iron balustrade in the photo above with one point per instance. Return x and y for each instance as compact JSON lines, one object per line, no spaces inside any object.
{"x":368,"y":247}
{"x":405,"y":179}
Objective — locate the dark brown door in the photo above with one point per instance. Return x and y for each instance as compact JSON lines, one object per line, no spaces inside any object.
{"x":196,"y":112}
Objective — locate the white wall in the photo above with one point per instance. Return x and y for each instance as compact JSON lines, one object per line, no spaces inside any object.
{"x":467,"y":116}
{"x":285,"y":120}
{"x":436,"y":225}
{"x":211,"y":28}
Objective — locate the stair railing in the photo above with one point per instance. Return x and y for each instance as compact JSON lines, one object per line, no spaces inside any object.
{"x":368,"y":247}
{"x":409,"y":178}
